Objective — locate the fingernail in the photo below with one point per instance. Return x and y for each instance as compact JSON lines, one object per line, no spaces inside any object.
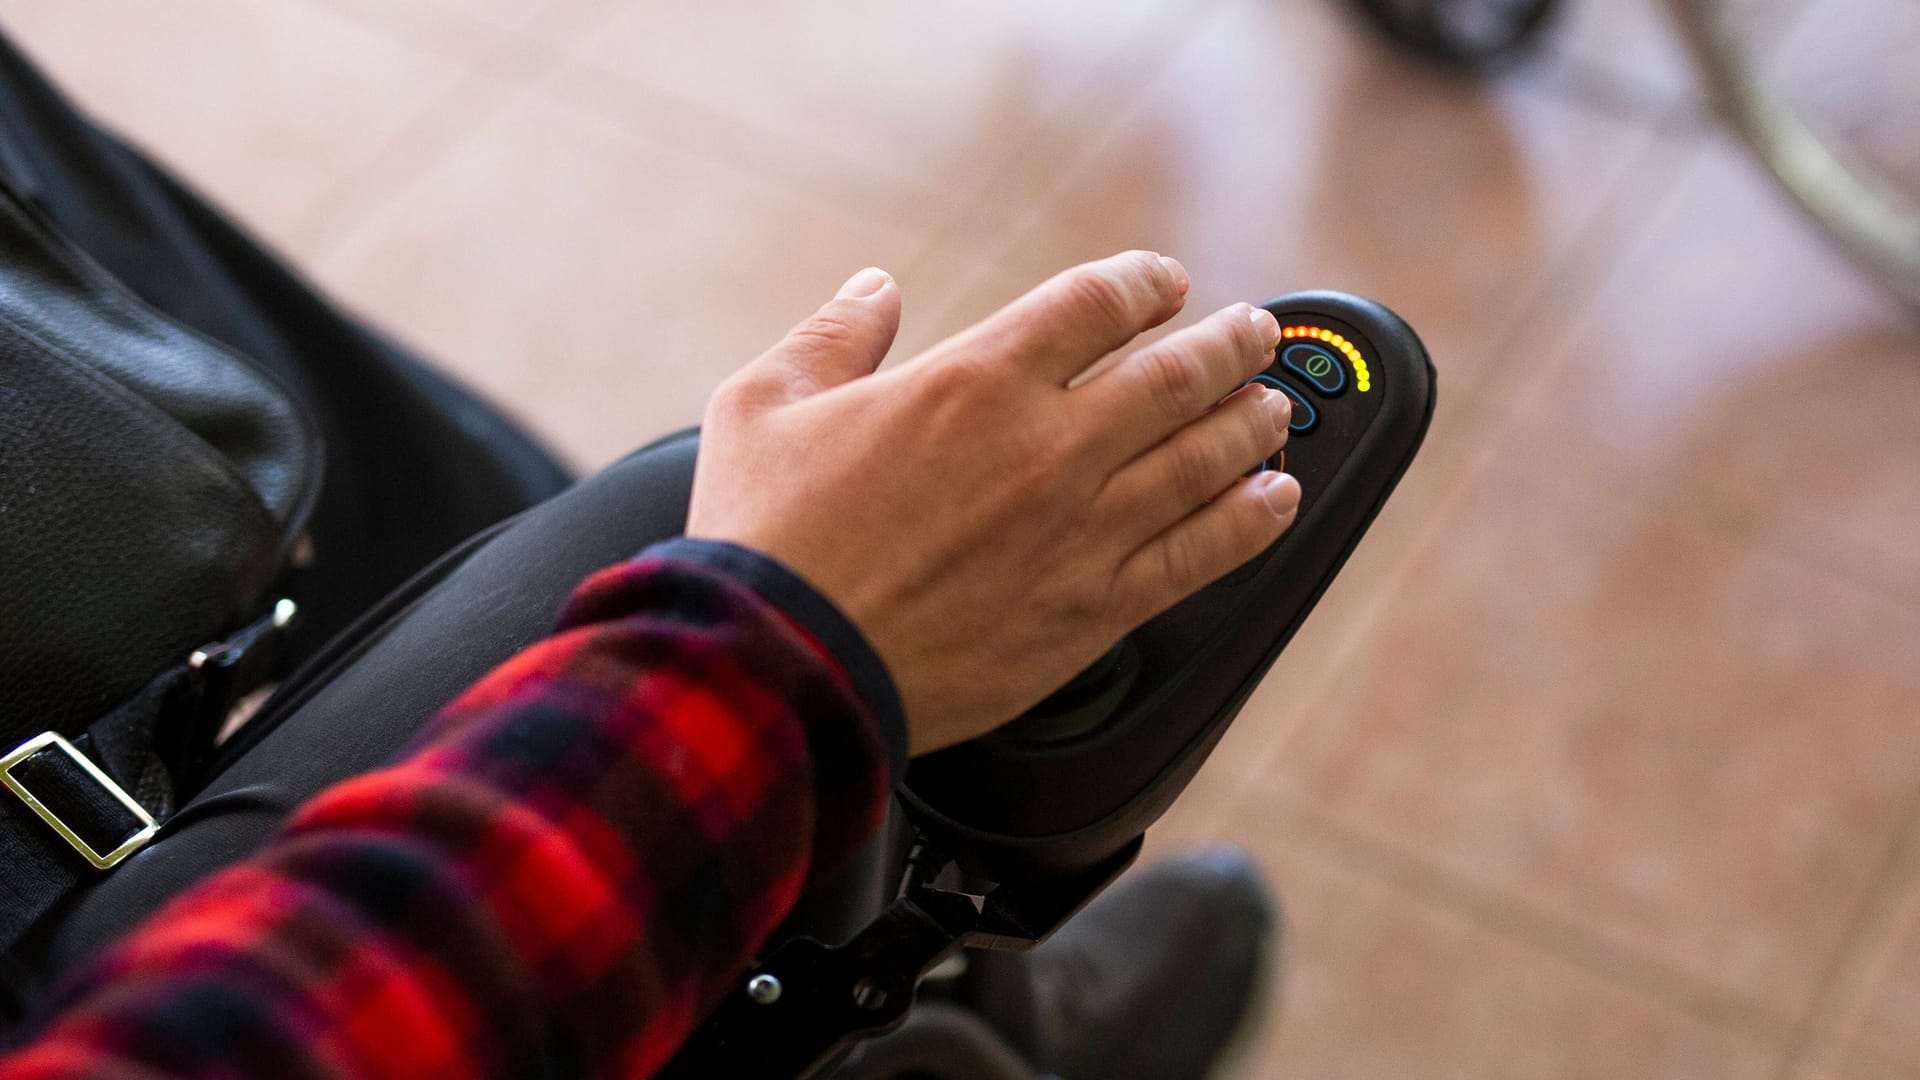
{"x":1180,"y":279}
{"x":1279,"y":408}
{"x":1268,"y":326}
{"x":864,"y":284}
{"x":1280,"y":490}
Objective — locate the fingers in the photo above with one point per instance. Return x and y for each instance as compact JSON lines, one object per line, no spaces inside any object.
{"x":1072,"y":320}
{"x":845,"y":340}
{"x":1161,"y":389}
{"x":1241,"y":523}
{"x":1180,"y":475}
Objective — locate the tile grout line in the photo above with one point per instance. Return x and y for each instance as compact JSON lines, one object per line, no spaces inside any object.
{"x":310,"y":224}
{"x":1858,"y":561}
{"x":541,"y":59}
{"x":1888,"y":910}
{"x":971,"y":209}
{"x":743,"y":131}
{"x":1564,"y":938}
{"x":355,"y":14}
{"x":1842,"y":984}
{"x":967,"y":208}
{"x":506,"y":73}
{"x":1496,"y":912}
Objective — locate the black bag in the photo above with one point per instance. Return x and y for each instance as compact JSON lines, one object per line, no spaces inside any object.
{"x":153,"y":490}
{"x":170,"y":395}
{"x":152,"y":486}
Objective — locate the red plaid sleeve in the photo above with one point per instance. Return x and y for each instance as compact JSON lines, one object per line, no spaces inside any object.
{"x":566,"y":873}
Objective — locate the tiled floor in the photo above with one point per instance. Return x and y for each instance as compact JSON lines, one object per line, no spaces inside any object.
{"x":1601,"y":759}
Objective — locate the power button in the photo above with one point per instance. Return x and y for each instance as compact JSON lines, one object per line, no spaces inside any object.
{"x":1318,"y":366}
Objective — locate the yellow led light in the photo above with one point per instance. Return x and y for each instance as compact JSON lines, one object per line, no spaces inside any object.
{"x":1362,"y":378}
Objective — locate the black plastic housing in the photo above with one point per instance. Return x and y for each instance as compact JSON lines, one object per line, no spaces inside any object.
{"x":1046,"y":796}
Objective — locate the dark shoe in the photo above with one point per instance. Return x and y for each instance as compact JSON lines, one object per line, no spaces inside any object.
{"x":1156,"y":980}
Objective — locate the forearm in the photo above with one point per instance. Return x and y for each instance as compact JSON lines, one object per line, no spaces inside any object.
{"x":581,"y":854}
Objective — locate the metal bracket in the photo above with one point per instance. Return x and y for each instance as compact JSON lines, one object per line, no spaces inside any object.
{"x":805,"y":1004}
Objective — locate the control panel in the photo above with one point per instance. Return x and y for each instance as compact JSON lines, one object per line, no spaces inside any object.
{"x":1083,"y":774}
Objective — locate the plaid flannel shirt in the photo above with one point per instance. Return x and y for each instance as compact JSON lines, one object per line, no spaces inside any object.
{"x":572,"y":865}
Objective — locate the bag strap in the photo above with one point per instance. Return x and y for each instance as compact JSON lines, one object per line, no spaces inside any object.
{"x":71,"y":810}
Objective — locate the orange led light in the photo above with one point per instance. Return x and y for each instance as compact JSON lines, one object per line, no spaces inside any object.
{"x":1362,"y":378}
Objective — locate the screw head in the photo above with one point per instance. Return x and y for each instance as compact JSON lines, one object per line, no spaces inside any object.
{"x":764,"y":989}
{"x":870,"y":995}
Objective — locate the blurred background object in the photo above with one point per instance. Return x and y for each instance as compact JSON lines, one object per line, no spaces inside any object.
{"x":1602,"y":758}
{"x":1472,"y":34}
{"x":1864,"y":209}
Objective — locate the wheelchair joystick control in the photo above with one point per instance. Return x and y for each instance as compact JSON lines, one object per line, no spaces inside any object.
{"x":1083,"y":773}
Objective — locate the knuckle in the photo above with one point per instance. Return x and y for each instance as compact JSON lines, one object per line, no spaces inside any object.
{"x":826,"y":331}
{"x":1262,"y":432}
{"x":1180,"y":561}
{"x":733,"y":396}
{"x":1100,"y":295}
{"x":1065,"y":453}
{"x":1174,"y":379}
{"x":1191,"y":465}
{"x":959,"y":380}
{"x":1086,"y":606}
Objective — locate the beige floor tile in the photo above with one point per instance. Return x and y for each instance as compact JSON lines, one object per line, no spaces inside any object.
{"x":506,"y":13}
{"x":1867,"y":1065}
{"x":1605,"y":705}
{"x":1381,"y":983}
{"x":263,"y":105}
{"x":1283,"y":150}
{"x":598,"y":282}
{"x":1736,"y":346}
{"x":1889,"y":1027}
{"x":467,"y":32}
{"x":928,"y":99}
{"x":26,"y":20}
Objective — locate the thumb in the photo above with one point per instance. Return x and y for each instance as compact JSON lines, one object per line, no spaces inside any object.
{"x":841,"y":342}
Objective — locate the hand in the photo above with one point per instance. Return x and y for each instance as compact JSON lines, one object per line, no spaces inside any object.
{"x":988,"y":519}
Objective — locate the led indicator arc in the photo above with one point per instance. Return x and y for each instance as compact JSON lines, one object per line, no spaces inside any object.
{"x":1362,"y":379}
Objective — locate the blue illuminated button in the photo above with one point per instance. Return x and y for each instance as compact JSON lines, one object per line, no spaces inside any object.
{"x":1316,"y":365}
{"x":1304,"y":418}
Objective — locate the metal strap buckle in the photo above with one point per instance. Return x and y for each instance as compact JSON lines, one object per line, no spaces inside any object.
{"x":100,"y":861}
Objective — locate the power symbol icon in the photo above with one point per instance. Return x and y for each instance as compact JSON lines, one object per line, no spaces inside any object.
{"x":1317,"y":366}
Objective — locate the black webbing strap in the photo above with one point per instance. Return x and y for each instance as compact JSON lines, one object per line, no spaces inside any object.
{"x":60,"y":821}
{"x":72,"y":809}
